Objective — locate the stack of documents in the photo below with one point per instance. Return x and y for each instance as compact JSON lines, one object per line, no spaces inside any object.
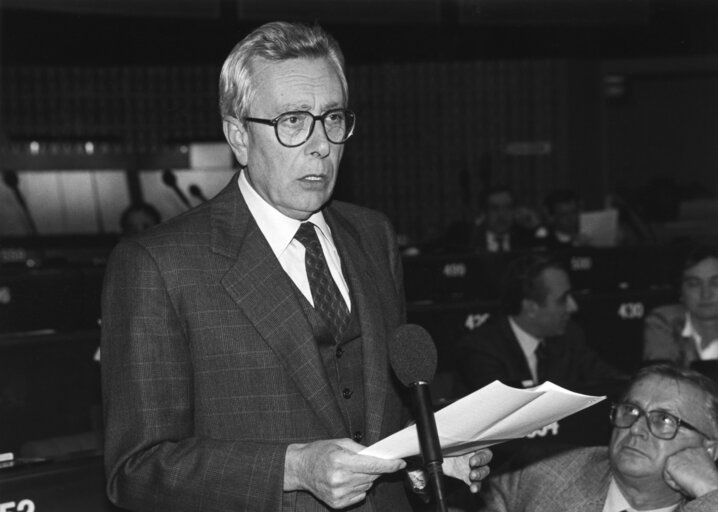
{"x":491,"y":415}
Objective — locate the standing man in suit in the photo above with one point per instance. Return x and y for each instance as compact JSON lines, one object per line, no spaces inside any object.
{"x":245,"y":342}
{"x":534,"y":338}
{"x":661,"y":456}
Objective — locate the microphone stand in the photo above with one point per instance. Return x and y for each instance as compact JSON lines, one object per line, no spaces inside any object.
{"x":429,"y":442}
{"x":169,"y":179}
{"x":195,"y":191}
{"x":11,"y":180}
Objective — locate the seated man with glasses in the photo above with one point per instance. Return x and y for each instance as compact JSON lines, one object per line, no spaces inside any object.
{"x":661,"y":456}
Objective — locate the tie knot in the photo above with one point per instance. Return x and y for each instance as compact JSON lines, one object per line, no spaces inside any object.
{"x":540,"y":349}
{"x":306,"y":234}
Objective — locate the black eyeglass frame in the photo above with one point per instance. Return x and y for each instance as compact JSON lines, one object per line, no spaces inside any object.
{"x":643,"y":413}
{"x":321,"y":117}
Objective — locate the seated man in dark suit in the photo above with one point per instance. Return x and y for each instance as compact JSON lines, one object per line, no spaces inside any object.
{"x":661,"y":456}
{"x":498,"y":231}
{"x":534,"y":339}
{"x":495,"y":230}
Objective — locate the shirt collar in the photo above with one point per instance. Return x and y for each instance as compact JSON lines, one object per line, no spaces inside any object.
{"x":689,"y":331}
{"x":528,"y":342}
{"x":564,"y":238}
{"x":277,"y":228}
{"x":617,"y":502}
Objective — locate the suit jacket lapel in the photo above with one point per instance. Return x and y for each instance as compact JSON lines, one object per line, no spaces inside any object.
{"x":591,"y":487}
{"x":261,"y":288}
{"x":582,"y":484}
{"x":361,"y":281}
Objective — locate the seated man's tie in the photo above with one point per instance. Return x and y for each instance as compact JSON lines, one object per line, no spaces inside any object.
{"x":328,"y":301}
{"x":541,"y":359}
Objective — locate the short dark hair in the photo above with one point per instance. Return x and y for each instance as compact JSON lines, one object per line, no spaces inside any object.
{"x":686,"y":376}
{"x":697,"y":252}
{"x":145,"y":208}
{"x":688,"y":255}
{"x":492,"y":191}
{"x":522,"y":280}
{"x":559,"y":196}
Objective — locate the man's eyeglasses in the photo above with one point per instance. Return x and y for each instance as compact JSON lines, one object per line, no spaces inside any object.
{"x":661,"y":424}
{"x":294,"y":128}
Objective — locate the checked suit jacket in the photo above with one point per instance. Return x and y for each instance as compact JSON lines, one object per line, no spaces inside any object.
{"x":573,"y":481}
{"x":210,"y":368}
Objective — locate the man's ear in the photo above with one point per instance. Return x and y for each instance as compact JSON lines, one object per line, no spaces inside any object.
{"x":237,"y":136}
{"x":711,"y":447}
{"x":529,"y":307}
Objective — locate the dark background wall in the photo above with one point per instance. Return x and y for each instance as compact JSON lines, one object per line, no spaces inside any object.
{"x":452,"y":95}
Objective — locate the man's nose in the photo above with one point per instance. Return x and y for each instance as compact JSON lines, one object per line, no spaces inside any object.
{"x":640,"y":426}
{"x":318,"y":143}
{"x":572,"y":305}
{"x":708,"y":291}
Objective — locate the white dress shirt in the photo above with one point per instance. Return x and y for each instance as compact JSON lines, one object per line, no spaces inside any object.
{"x":528,"y":345}
{"x":279,"y":230}
{"x":689,"y":331}
{"x":497,"y":243}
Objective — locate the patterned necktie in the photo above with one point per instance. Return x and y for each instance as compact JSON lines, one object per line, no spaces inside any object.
{"x":328,"y":301}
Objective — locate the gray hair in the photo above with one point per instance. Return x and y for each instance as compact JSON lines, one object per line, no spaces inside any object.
{"x":708,"y":386}
{"x":275,"y":41}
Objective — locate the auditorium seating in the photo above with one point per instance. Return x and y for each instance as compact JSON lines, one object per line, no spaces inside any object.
{"x":450,"y":295}
{"x":50,"y":404}
{"x":49,"y":333}
{"x":71,"y":485}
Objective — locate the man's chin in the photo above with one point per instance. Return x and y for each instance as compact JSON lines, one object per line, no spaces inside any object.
{"x":631,"y":462}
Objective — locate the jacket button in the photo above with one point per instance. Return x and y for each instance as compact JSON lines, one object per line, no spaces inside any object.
{"x":358,"y":436}
{"x":347,"y":393}
{"x":340,"y":352}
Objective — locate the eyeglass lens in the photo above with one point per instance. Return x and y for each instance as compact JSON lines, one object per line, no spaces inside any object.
{"x":661,"y":424}
{"x":294,"y":128}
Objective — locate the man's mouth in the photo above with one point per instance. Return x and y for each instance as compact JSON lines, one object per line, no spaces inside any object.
{"x":633,"y":449}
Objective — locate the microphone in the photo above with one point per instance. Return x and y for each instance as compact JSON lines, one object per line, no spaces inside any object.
{"x":412,"y":355}
{"x":169,"y":179}
{"x":11,"y":180}
{"x":195,"y":191}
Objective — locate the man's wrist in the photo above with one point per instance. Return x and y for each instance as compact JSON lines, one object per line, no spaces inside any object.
{"x":293,"y":468}
{"x":702,"y":488}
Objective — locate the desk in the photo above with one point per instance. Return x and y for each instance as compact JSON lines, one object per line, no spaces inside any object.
{"x":73,"y":485}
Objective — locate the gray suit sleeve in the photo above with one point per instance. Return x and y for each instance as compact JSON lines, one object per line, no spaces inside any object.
{"x":153,"y":460}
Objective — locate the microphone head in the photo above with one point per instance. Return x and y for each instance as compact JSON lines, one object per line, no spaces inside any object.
{"x":169,"y":178}
{"x":412,"y":354}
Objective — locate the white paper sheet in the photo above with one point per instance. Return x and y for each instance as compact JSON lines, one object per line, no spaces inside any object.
{"x":490,"y":415}
{"x":600,"y":227}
